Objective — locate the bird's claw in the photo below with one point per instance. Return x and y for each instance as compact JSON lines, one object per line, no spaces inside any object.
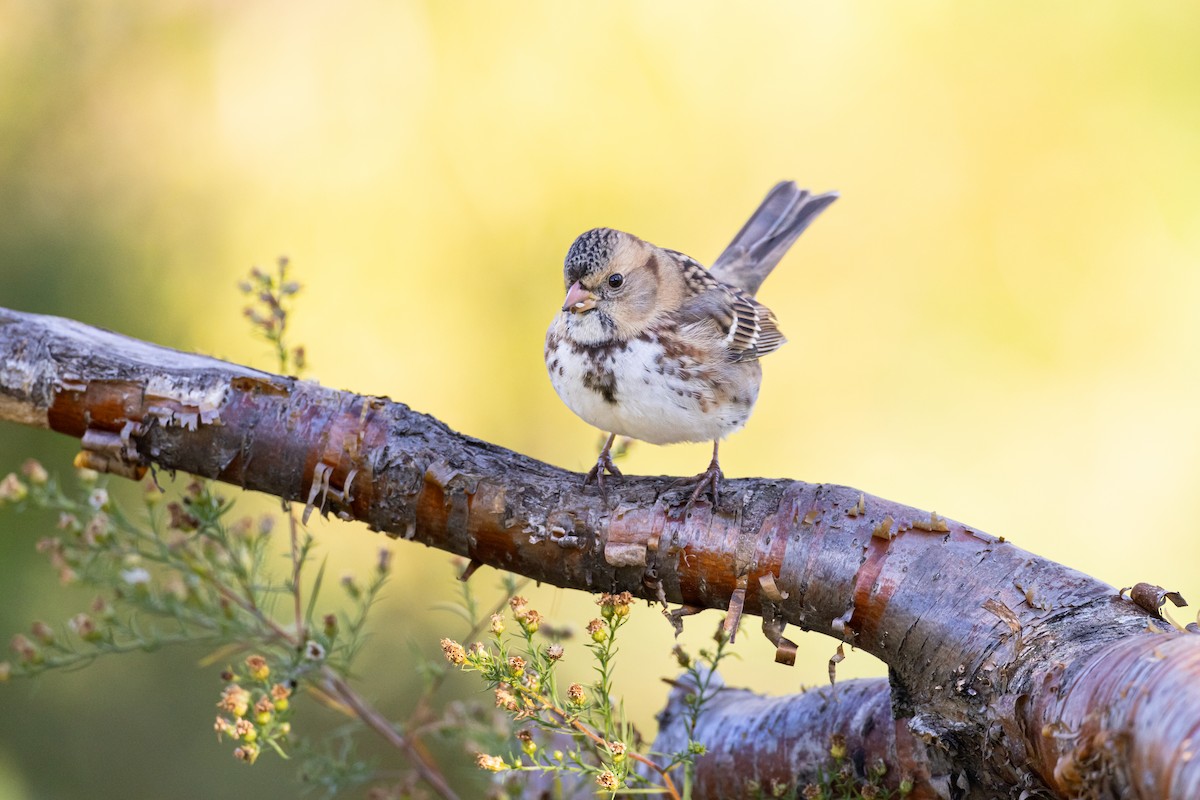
{"x":603,"y":464}
{"x":711,"y":479}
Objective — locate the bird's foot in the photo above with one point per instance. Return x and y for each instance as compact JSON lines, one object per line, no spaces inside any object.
{"x":709,"y":479}
{"x":604,"y":463}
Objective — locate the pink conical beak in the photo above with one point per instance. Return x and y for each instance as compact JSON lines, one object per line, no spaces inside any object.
{"x":578,"y":299}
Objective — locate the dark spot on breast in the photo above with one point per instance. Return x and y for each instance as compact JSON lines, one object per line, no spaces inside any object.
{"x":680,"y":350}
{"x":600,"y":350}
{"x":603,"y":382}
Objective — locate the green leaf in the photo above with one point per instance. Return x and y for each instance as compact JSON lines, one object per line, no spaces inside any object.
{"x":316,"y":591}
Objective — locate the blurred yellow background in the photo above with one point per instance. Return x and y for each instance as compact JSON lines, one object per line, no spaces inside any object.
{"x":998,"y":320}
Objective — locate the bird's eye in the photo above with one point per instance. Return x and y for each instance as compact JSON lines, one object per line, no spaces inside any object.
{"x":615,"y":280}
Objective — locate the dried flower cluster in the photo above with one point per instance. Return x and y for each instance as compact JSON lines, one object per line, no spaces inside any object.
{"x":256,"y":716}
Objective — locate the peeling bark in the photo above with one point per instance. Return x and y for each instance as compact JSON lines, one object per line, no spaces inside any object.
{"x":1022,"y":672}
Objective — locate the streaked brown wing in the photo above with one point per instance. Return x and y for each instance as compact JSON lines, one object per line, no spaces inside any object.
{"x":755,"y":332}
{"x":747,"y":327}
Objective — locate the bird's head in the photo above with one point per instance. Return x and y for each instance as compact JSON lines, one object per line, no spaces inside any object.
{"x":614,"y":286}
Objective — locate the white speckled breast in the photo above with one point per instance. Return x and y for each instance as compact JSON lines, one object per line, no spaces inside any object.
{"x":636,"y":389}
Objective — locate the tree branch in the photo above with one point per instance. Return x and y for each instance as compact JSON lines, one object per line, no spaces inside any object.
{"x":786,"y":742}
{"x":1025,"y":672}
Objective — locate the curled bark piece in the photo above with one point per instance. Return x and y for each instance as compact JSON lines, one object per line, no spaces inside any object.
{"x":1152,"y":598}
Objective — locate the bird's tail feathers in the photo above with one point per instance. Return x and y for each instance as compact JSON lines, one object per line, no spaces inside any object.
{"x":769,"y":233}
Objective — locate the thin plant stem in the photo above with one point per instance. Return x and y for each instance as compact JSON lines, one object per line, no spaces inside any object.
{"x":297,"y":562}
{"x":378,"y":723}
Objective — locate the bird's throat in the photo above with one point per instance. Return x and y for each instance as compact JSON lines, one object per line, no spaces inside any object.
{"x":591,"y":327}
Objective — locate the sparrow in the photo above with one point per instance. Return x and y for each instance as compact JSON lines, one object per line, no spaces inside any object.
{"x":651,"y":345}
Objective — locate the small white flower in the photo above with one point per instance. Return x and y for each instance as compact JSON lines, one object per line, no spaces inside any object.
{"x":136,"y":576}
{"x":98,"y":499}
{"x":314,"y":651}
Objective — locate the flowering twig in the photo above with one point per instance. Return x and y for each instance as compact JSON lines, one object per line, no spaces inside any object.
{"x":524,"y":686}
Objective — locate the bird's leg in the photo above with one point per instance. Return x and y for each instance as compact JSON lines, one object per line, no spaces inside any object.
{"x":711,"y":477}
{"x":603,"y":463}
